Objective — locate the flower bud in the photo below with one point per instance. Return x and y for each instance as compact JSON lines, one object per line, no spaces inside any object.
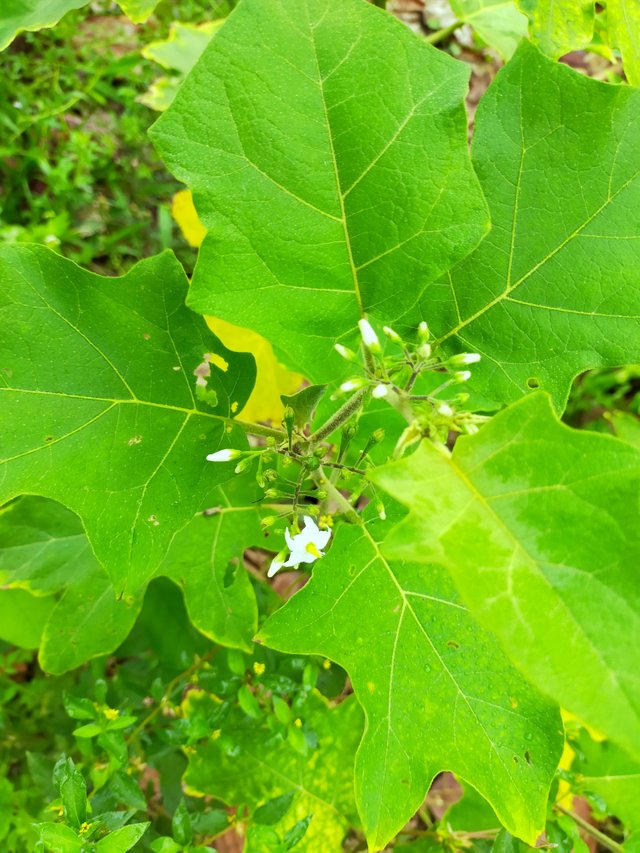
{"x":352,"y":384}
{"x":445,"y":410}
{"x":345,"y":352}
{"x":377,"y":435}
{"x":312,"y":463}
{"x":379,"y":391}
{"x":271,"y":475}
{"x":226,"y":455}
{"x":243,"y":465}
{"x":269,"y":521}
{"x":423,"y":332}
{"x":462,"y":375}
{"x":270,"y":442}
{"x":392,"y":335}
{"x":381,"y":511}
{"x":424,"y":351}
{"x":322,"y":494}
{"x":470,"y":429}
{"x":464,"y":358}
{"x":369,"y":337}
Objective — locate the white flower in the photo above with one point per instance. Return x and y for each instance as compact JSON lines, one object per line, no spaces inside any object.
{"x":369,"y":337}
{"x":225,"y":455}
{"x":305,"y":547}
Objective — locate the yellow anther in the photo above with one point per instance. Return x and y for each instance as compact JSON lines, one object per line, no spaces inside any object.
{"x":298,"y":723}
{"x":311,"y":548}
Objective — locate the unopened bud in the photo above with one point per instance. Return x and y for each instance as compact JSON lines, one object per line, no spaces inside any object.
{"x":445,"y":410}
{"x":226,"y":455}
{"x":379,"y":391}
{"x":289,"y":417}
{"x":312,"y":463}
{"x":369,"y":337}
{"x":270,"y":442}
{"x":345,"y":352}
{"x":464,"y":358}
{"x":377,"y":436}
{"x":470,"y":429}
{"x":271,"y":475}
{"x":381,"y":511}
{"x":352,"y":384}
{"x":424,"y":351}
{"x":272,"y":493}
{"x":322,"y":494}
{"x":269,"y":521}
{"x":243,"y":465}
{"x":350,"y":430}
{"x":462,"y":375}
{"x":392,"y":335}
{"x":423,"y":332}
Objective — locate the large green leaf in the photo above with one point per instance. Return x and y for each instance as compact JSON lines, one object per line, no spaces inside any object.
{"x":498,"y":22}
{"x":43,"y":551}
{"x":538,"y":524}
{"x":18,"y":15}
{"x":437,"y":690}
{"x":97,"y":405}
{"x":603,"y":769}
{"x":251,"y":765}
{"x":332,"y":180}
{"x":560,"y":26}
{"x":555,"y":287}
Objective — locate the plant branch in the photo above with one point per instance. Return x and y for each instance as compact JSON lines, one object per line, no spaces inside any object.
{"x":440,"y":35}
{"x":340,"y":417}
{"x":259,"y":429}
{"x":334,"y":493}
{"x":591,"y":830}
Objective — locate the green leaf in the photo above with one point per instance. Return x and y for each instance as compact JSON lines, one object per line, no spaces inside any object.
{"x":122,"y":839}
{"x":304,"y":403}
{"x":23,"y":617}
{"x":59,"y":838}
{"x":303,"y":123}
{"x":44,"y":550}
{"x":607,"y":771}
{"x":181,"y":824}
{"x":538,"y":525}
{"x":500,"y":24}
{"x":274,"y":810}
{"x":138,"y":10}
{"x":436,"y":689}
{"x":559,"y":26}
{"x":99,"y":411}
{"x":73,"y":793}
{"x":551,"y":291}
{"x":19,"y":15}
{"x":253,"y":766}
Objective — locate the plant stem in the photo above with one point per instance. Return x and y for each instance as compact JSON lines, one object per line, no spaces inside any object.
{"x":334,"y":493}
{"x":441,"y":35}
{"x":607,"y":842}
{"x":340,"y":417}
{"x":259,"y":429}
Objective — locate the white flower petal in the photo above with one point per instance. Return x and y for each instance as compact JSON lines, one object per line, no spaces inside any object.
{"x":274,"y":567}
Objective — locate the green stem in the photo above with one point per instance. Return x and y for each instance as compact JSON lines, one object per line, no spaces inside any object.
{"x":607,"y":842}
{"x":340,"y":417}
{"x":440,"y":35}
{"x":334,"y":493}
{"x":259,"y":429}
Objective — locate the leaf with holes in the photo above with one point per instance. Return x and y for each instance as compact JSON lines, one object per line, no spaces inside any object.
{"x":45,"y":556}
{"x":438,"y":692}
{"x":538,"y":525}
{"x":555,"y":287}
{"x":97,"y":406}
{"x":329,"y":189}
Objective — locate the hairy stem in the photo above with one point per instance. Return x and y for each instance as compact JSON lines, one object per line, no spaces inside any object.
{"x":340,"y":417}
{"x":259,"y":429}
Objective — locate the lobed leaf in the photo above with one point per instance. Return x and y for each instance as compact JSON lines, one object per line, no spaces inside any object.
{"x":97,"y":404}
{"x":43,"y":550}
{"x":329,"y":189}
{"x":437,"y":691}
{"x":538,"y":525}
{"x":553,"y":289}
